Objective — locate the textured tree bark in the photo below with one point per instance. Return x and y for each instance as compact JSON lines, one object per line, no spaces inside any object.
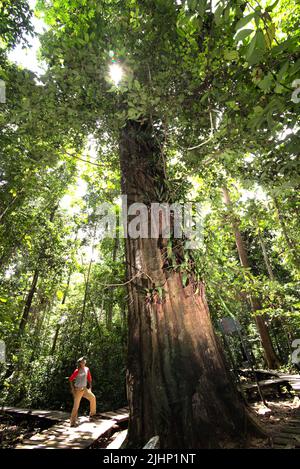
{"x":269,"y":352}
{"x":110,"y":306}
{"x":28,"y":303}
{"x":58,"y":325}
{"x":178,"y":384}
{"x":85,"y":299}
{"x":266,"y":257}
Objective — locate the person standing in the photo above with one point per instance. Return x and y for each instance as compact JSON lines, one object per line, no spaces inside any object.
{"x":79,"y":380}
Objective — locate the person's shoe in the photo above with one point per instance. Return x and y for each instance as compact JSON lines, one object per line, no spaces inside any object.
{"x":93,"y":418}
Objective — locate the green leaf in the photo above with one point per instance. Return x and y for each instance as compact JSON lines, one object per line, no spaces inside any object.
{"x":266,"y":83}
{"x":270,"y":35}
{"x":250,"y":51}
{"x":242,"y":34}
{"x":218,"y":14}
{"x":231,"y":55}
{"x":136,"y":84}
{"x":184,"y":279}
{"x":260,"y":40}
{"x":202,"y":4}
{"x":282,"y":71}
{"x":233,"y":105}
{"x":295,"y":68}
{"x":59,"y":294}
{"x":256,"y":48}
{"x":133,"y":113}
{"x":243,"y":21}
{"x":271,"y":7}
{"x":258,"y":110}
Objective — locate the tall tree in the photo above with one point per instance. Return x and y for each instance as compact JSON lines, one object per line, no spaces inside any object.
{"x":270,"y":355}
{"x":175,"y":360}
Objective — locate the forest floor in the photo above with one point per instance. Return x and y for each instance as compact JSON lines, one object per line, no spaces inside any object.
{"x":275,"y":418}
{"x":14,"y":429}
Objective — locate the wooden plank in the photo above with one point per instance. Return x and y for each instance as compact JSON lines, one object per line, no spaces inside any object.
{"x":288,"y":376}
{"x":120,"y":415}
{"x":295,"y":386}
{"x":285,"y":441}
{"x":48,"y":414}
{"x":296,"y":421}
{"x":267,"y":382}
{"x":117,"y":440}
{"x":62,"y":436}
{"x":258,"y":371}
{"x":116,"y":418}
{"x":125,"y":410}
{"x":292,"y":430}
{"x":291,"y":436}
{"x":288,"y":438}
{"x":294,"y":381}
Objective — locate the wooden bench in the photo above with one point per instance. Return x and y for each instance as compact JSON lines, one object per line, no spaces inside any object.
{"x":257,"y":373}
{"x":278,"y":383}
{"x":294,"y":381}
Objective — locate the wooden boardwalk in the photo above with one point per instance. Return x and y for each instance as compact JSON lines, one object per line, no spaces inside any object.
{"x":289,"y":437}
{"x":119,"y":416}
{"x":55,"y":415}
{"x":274,"y":379}
{"x":294,"y":381}
{"x":62,"y":436}
{"x":117,"y":440}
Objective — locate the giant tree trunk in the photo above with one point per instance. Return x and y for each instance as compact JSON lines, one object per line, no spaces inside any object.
{"x":266,"y":342}
{"x":177,"y":381}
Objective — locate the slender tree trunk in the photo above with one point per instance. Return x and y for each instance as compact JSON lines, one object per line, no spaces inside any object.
{"x":289,"y":241}
{"x":28,"y":302}
{"x":110,"y":307}
{"x":178,"y":385}
{"x":269,"y":352}
{"x":82,"y":316}
{"x":44,"y":308}
{"x":86,"y":293}
{"x":96,"y":319}
{"x":58,"y":326}
{"x":266,"y":257}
